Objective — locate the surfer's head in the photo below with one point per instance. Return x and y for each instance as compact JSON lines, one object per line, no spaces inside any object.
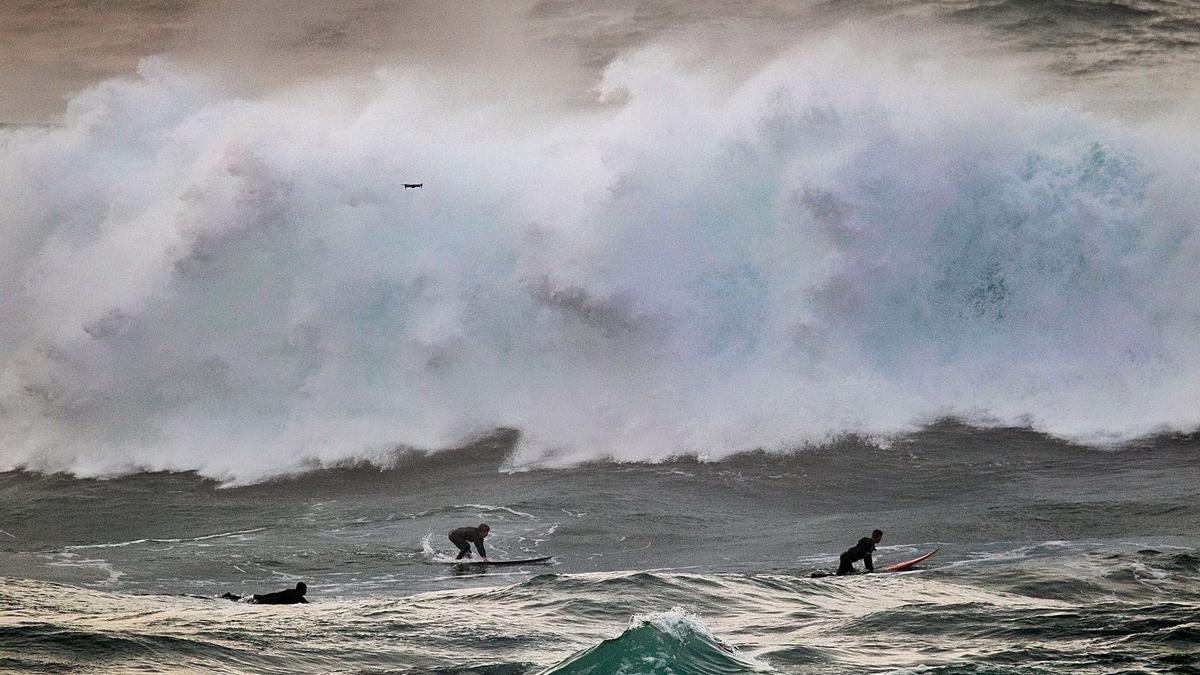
{"x":876,"y":536}
{"x":484,"y":529}
{"x":301,"y":587}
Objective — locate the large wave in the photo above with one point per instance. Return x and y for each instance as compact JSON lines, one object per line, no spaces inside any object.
{"x":696,"y":264}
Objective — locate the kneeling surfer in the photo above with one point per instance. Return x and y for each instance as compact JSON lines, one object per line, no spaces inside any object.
{"x":463,"y":537}
{"x":289,"y":596}
{"x":860,"y":551}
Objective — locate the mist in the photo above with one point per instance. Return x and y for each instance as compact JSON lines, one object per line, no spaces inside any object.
{"x":847,"y":231}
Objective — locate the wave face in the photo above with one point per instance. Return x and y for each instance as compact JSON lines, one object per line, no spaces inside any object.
{"x":696,"y":265}
{"x":670,"y":642}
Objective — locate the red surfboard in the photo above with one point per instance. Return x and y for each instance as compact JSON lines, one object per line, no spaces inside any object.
{"x":900,"y":567}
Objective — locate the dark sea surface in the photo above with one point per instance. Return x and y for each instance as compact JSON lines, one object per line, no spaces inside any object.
{"x":1053,"y":558}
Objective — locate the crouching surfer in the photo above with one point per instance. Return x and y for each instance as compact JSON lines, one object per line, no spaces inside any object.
{"x":463,"y":537}
{"x":860,"y":551}
{"x":290,"y":596}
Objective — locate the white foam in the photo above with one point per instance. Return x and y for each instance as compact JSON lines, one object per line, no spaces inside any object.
{"x":682,"y":624}
{"x":112,"y":575}
{"x":135,"y":542}
{"x":487,"y":508}
{"x":838,"y":242}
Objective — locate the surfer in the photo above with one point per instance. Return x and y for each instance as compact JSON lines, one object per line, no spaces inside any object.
{"x":463,"y":537}
{"x":289,"y":596}
{"x":860,"y":551}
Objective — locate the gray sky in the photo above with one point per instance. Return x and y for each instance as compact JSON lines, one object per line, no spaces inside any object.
{"x":551,"y":50}
{"x":546,"y":51}
{"x":49,"y":50}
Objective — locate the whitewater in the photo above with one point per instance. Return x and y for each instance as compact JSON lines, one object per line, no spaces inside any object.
{"x":694,"y":265}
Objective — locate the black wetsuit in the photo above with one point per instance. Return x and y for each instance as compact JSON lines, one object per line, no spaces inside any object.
{"x":291,"y":596}
{"x":861,"y":551}
{"x":463,"y":537}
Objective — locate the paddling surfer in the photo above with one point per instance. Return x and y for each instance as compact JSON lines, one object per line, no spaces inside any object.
{"x":463,"y":537}
{"x":860,"y":551}
{"x":290,"y":596}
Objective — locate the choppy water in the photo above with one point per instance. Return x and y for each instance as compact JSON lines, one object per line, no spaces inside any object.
{"x":1053,"y":558}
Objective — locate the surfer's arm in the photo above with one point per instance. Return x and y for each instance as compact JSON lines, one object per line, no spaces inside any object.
{"x":867,"y":562}
{"x":479,"y":547}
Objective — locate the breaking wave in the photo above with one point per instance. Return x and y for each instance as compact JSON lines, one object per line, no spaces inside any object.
{"x":670,"y":642}
{"x":696,"y":264}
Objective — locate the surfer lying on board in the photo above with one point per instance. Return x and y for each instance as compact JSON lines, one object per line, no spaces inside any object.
{"x":290,"y":596}
{"x":861,"y":551}
{"x":463,"y":537}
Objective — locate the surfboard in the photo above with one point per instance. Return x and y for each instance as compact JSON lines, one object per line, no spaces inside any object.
{"x":901,"y":566}
{"x":499,"y":563}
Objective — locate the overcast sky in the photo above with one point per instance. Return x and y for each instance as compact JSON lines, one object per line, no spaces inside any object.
{"x":550,"y":52}
{"x":49,"y":50}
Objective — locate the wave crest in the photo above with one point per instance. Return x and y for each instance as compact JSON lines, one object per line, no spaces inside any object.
{"x":671,"y":642}
{"x":242,"y":288}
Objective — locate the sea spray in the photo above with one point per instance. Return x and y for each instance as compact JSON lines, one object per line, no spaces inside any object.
{"x":241,"y":287}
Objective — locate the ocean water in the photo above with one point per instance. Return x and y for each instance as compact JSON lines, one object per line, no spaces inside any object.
{"x":1053,"y":558}
{"x":785,"y":274}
